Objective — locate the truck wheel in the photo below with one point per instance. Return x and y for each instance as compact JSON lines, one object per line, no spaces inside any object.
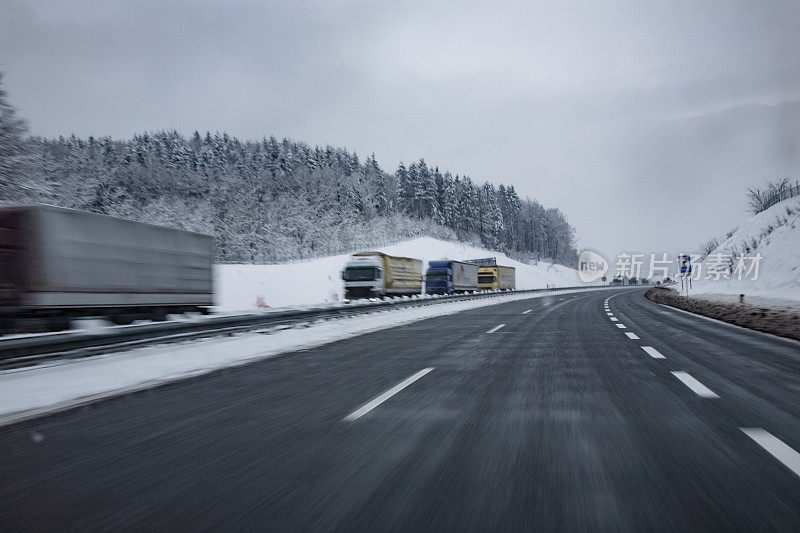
{"x":123,"y":319}
{"x":6,"y":325}
{"x":58,"y":323}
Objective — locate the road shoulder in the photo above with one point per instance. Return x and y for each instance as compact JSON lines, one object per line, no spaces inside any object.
{"x":775,"y":321}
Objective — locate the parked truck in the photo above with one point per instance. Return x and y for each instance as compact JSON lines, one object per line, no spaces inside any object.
{"x":57,"y":264}
{"x":376,"y":274}
{"x":450,"y":277}
{"x":496,"y":278}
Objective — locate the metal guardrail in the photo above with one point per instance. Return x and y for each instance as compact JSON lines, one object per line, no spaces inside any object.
{"x":21,"y":351}
{"x":785,"y":194}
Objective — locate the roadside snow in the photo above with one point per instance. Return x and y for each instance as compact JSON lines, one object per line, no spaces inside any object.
{"x":751,"y":299}
{"x":778,"y":283}
{"x":316,"y":281}
{"x":64,"y":383}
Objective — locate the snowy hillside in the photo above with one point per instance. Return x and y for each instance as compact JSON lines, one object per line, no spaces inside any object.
{"x":775,"y":234}
{"x":238,"y":287}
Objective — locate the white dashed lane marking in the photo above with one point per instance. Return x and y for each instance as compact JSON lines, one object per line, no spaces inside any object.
{"x":652,"y":352}
{"x":633,"y":336}
{"x":621,"y":326}
{"x":495,"y":328}
{"x":697,"y":387}
{"x":776,"y":447}
{"x":369,"y":406}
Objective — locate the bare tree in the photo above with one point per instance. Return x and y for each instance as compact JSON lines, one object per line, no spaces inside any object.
{"x":758,"y":197}
{"x":709,"y":246}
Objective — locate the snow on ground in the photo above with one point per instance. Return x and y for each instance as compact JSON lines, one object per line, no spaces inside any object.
{"x":750,"y":298}
{"x":315,"y":281}
{"x":64,"y":383}
{"x":778,"y":283}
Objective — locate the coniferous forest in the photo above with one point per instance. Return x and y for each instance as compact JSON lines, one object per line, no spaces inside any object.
{"x":272,"y":200}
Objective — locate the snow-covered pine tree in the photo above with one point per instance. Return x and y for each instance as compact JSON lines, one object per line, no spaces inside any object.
{"x":378,"y":186}
{"x":403,"y":186}
{"x":424,"y":192}
{"x":447,"y":200}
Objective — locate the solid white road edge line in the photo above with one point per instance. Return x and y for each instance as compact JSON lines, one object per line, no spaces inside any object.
{"x":652,"y":352}
{"x":776,"y":447}
{"x":697,"y":387}
{"x":633,"y":336}
{"x":621,"y":326}
{"x":495,"y":328}
{"x":369,"y":406}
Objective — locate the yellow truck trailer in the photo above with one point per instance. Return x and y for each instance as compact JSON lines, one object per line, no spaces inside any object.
{"x":376,"y":274}
{"x":496,"y":278}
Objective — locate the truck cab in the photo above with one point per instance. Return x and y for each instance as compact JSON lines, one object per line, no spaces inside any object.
{"x":487,"y":278}
{"x":363,"y":277}
{"x":439,"y":278}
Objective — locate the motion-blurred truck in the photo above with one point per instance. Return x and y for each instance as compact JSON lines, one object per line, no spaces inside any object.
{"x":450,"y":277}
{"x":496,"y":278}
{"x":57,"y":264}
{"x":375,"y":275}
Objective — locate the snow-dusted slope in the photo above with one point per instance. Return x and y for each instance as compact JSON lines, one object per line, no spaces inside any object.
{"x":779,"y":270}
{"x":238,"y":287}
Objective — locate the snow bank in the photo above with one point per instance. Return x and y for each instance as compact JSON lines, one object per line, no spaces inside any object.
{"x":32,"y":391}
{"x":779,"y":271}
{"x":238,"y":287}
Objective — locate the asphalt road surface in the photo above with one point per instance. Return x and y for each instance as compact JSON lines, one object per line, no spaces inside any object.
{"x":558,"y":420}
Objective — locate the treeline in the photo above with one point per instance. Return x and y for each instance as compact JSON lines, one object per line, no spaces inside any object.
{"x":275,"y":200}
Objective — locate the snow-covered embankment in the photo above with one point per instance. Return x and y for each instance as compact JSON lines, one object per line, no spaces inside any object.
{"x":315,"y":281}
{"x":775,"y":235}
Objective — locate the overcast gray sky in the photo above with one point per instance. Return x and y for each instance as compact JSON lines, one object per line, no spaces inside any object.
{"x":643,"y":121}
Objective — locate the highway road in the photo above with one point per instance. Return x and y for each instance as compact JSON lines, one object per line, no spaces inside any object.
{"x":587,"y":411}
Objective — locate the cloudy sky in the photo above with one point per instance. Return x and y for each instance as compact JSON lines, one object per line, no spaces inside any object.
{"x":643,"y":121}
